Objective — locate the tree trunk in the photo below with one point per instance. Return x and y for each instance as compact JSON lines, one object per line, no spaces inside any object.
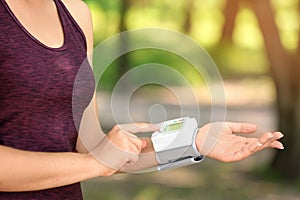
{"x":230,"y":12}
{"x":123,"y":64}
{"x":287,"y":162}
{"x":298,"y":52}
{"x":285,"y":70}
{"x":187,"y":24}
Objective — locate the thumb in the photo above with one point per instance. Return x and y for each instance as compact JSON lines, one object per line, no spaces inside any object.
{"x":139,"y":127}
{"x":242,"y":127}
{"x":144,"y":143}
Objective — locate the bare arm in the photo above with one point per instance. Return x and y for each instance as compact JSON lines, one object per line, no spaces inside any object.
{"x":27,"y":171}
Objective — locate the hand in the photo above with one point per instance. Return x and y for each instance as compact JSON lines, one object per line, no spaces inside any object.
{"x":217,"y":140}
{"x":134,"y":128}
{"x":120,"y":149}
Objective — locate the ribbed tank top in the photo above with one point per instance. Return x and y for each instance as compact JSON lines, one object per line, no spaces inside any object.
{"x":37,"y":90}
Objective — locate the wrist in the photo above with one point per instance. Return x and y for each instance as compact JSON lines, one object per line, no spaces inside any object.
{"x":199,"y":140}
{"x":97,"y":167}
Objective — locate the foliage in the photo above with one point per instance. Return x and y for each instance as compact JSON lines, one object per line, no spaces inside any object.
{"x":246,"y":57}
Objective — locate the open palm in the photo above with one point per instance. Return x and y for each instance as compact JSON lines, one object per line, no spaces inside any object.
{"x":220,"y":141}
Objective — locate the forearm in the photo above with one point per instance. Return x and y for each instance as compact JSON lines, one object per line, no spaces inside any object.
{"x":27,"y":171}
{"x":90,"y":132}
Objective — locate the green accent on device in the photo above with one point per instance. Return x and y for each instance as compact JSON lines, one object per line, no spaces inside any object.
{"x":174,"y":127}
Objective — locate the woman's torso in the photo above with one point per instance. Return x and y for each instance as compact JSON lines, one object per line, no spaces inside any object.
{"x":36,"y":93}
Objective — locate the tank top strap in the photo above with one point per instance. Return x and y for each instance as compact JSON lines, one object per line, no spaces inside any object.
{"x":69,"y":24}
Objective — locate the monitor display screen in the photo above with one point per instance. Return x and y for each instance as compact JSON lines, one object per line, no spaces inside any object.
{"x":174,"y":127}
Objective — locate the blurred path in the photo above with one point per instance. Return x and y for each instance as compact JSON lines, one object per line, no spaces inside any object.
{"x":247,"y":101}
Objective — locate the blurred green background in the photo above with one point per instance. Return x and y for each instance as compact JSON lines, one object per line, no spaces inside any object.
{"x":255,"y":44}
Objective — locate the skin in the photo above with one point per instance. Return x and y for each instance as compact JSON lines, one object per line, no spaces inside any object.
{"x":38,"y":170}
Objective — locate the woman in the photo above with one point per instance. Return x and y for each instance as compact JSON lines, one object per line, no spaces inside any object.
{"x":43,"y":44}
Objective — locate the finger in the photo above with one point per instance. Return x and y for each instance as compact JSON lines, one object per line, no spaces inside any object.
{"x":134,"y":143}
{"x":277,"y":145}
{"x":130,"y":142}
{"x":266,"y":137}
{"x":144,"y":143}
{"x":140,"y":127}
{"x":137,"y":145}
{"x":278,"y":135}
{"x":148,"y":127}
{"x":268,"y":141}
{"x":242,"y":127}
{"x":253,"y":140}
{"x":254,"y":146}
{"x":269,"y":135}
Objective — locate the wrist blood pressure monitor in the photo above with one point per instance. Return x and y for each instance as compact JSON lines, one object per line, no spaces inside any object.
{"x":174,"y":143}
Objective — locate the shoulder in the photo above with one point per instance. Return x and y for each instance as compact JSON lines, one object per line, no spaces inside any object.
{"x":82,"y":15}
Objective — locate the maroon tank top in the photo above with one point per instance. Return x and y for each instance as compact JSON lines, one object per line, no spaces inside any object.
{"x":37,"y":90}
